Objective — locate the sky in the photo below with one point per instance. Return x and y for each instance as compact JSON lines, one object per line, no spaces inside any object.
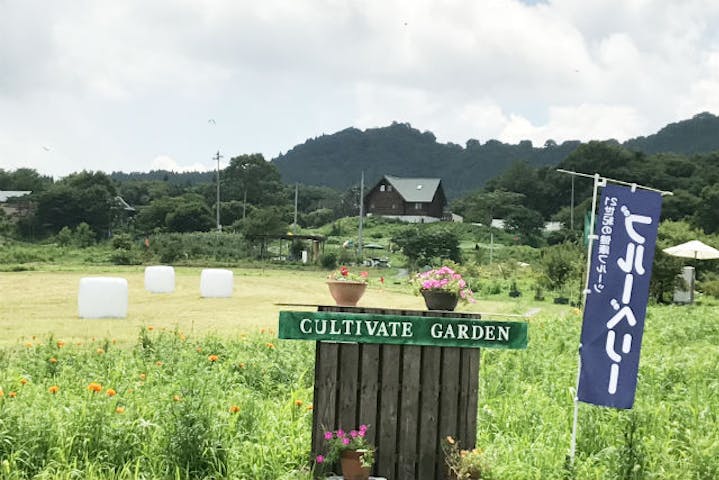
{"x":138,"y":85}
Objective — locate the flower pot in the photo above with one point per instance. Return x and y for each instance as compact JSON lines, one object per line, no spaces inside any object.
{"x":346,"y":294}
{"x":440,"y":299}
{"x":352,"y":468}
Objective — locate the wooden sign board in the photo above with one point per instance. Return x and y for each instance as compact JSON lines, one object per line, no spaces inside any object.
{"x":402,"y":330}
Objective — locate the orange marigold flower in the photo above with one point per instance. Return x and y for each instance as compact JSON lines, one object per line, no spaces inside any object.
{"x":150,"y":328}
{"x":111,"y":392}
{"x":143,"y":376}
{"x":298,"y":403}
{"x":53,"y":360}
{"x":241,"y":365}
{"x":23,"y":381}
{"x":120,"y":410}
{"x":60,"y":344}
{"x":28,"y":344}
{"x":159,"y":363}
{"x":12,"y":394}
{"x":213,"y":358}
{"x":262,"y":330}
{"x":1,"y":392}
{"x":176,"y":398}
{"x":234,"y":409}
{"x":199,"y":349}
{"x":94,"y":387}
{"x":269,"y":345}
{"x":53,"y":389}
{"x":100,"y":351}
{"x":310,"y":408}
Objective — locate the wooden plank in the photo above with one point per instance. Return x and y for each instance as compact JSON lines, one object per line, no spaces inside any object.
{"x":348,"y":398}
{"x":429,"y":410}
{"x":325,"y":393}
{"x":390,"y":358}
{"x":369,"y":386}
{"x":448,"y":400}
{"x":409,"y":417}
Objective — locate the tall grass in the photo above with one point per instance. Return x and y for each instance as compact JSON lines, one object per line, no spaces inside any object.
{"x":180,"y":413}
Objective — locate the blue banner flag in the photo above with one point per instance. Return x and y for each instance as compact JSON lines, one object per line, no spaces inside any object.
{"x":619,"y":273}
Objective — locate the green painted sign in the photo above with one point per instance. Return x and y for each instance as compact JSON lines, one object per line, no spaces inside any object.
{"x":402,"y":330}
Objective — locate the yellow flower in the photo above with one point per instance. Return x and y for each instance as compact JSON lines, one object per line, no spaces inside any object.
{"x":28,"y":344}
{"x":176,"y":398}
{"x":143,"y":376}
{"x":60,"y":344}
{"x":53,"y":389}
{"x":12,"y":394}
{"x":120,"y":410}
{"x":150,"y":328}
{"x":23,"y":381}
{"x":270,"y":345}
{"x":159,"y":363}
{"x":310,"y":408}
{"x":94,"y":387}
{"x":53,"y":360}
{"x":111,"y":392}
{"x":213,"y":358}
{"x":298,"y":403}
{"x":234,"y":409}
{"x":100,"y":351}
{"x":1,"y":392}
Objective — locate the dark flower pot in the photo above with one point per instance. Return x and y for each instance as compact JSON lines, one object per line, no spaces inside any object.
{"x":440,"y":299}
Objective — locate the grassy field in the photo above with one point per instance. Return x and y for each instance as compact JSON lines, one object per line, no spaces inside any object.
{"x":155,"y":404}
{"x":35,"y":303}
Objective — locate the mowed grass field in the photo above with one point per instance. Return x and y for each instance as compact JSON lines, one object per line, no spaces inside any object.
{"x":36,"y":303}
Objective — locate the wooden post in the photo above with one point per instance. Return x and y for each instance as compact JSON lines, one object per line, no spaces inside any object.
{"x":411,"y":397}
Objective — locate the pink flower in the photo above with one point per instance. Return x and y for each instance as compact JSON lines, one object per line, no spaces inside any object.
{"x":320,"y":459}
{"x":363,"y":428}
{"x":328,"y":435}
{"x":346,"y":441}
{"x":340,"y":433}
{"x":354,"y":433}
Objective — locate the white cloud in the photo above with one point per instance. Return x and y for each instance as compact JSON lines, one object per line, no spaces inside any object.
{"x":110,"y":84}
{"x":163,"y":162}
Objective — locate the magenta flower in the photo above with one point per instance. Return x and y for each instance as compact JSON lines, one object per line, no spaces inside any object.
{"x":346,"y":441}
{"x":340,"y":433}
{"x":328,"y":435}
{"x":320,"y":459}
{"x":354,"y":433}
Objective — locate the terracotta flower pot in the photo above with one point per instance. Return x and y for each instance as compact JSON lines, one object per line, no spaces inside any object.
{"x":440,"y":299}
{"x":352,"y":468}
{"x":346,"y":294}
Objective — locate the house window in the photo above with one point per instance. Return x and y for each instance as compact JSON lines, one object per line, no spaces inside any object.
{"x":418,"y":206}
{"x":394,"y":206}
{"x":381,"y":188}
{"x":371,"y":205}
{"x":389,"y":188}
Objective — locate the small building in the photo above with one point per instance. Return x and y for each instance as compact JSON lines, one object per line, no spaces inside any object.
{"x":12,"y":203}
{"x":409,"y":199}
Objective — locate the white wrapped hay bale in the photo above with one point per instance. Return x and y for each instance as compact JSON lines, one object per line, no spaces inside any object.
{"x":216,"y":282}
{"x":102,"y":297}
{"x":160,"y":279}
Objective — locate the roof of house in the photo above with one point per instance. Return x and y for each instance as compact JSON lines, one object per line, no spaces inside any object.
{"x":415,"y":189}
{"x":5,"y":194}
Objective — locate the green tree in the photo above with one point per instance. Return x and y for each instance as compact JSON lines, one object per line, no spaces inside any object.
{"x":87,"y":197}
{"x":423,"y":247}
{"x":253,"y":176}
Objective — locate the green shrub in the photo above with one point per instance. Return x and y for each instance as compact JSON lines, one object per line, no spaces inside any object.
{"x":328,"y":260}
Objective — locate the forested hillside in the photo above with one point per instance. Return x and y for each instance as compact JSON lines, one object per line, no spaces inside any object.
{"x":336,"y":160}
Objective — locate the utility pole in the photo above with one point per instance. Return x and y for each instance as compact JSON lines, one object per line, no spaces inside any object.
{"x":218,"y":157}
{"x":294,"y":224}
{"x":361,"y":217}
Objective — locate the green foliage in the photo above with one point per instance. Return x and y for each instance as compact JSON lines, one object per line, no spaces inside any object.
{"x":189,"y":247}
{"x":560,"y":266}
{"x":424,"y":247}
{"x":328,"y":260}
{"x":83,"y":235}
{"x":185,"y":409}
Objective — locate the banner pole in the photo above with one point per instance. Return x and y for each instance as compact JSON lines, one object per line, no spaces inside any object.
{"x":598,"y":181}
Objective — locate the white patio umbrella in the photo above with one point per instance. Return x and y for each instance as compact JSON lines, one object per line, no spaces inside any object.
{"x":696,"y":250}
{"x":693,"y":249}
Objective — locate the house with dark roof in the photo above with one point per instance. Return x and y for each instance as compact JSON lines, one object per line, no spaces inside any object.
{"x":12,"y":203}
{"x":409,"y":199}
